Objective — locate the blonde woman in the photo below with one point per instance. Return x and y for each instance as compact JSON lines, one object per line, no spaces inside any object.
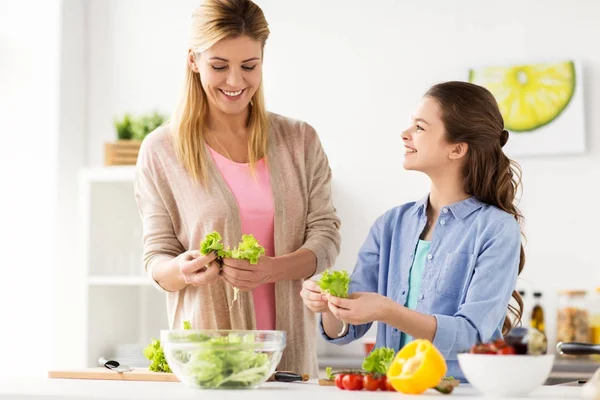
{"x":225,"y":164}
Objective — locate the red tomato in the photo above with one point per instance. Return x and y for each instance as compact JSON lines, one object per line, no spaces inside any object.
{"x":352,"y":382}
{"x":371,"y":383}
{"x":507,"y":350}
{"x":338,"y":381}
{"x":383,"y":383}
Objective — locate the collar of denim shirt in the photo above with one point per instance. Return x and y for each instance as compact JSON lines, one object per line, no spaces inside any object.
{"x":460,"y":209}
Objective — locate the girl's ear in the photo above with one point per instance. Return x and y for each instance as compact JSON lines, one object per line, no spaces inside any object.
{"x":192,"y":61}
{"x":459,"y":150}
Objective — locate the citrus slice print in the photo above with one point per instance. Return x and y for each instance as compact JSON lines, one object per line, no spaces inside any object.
{"x":529,"y":96}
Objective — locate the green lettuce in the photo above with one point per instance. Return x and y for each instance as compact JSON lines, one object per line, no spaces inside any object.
{"x":154,"y":352}
{"x":214,"y":242}
{"x":378,"y":361}
{"x":335,"y":283}
{"x":248,"y":249}
{"x":219,"y":365}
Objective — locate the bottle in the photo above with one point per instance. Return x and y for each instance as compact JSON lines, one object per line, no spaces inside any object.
{"x":537,"y":313}
{"x":525,"y":315}
{"x":595,"y":317}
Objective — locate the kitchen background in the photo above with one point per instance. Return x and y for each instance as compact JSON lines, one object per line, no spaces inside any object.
{"x":72,"y":285}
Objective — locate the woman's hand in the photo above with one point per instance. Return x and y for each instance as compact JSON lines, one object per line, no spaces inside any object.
{"x":360,"y":308}
{"x":245,"y":276}
{"x":198,"y":269}
{"x":313,"y":297}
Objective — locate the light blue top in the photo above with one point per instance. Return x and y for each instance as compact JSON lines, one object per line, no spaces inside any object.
{"x":470,"y":272}
{"x":415,"y":280}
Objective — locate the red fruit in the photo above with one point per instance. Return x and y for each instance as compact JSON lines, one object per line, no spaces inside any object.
{"x":383,"y":383}
{"x":338,"y":381}
{"x":507,"y":350}
{"x":371,"y":383}
{"x":353,"y":382}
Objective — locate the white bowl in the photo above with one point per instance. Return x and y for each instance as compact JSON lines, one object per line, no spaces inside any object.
{"x":506,"y":375}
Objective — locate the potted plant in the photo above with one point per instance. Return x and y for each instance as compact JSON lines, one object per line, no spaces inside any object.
{"x":131,"y":131}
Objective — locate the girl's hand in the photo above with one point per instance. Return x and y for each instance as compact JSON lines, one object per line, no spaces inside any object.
{"x":360,"y":308}
{"x":245,"y":276}
{"x":313,"y":297}
{"x":197,"y":269}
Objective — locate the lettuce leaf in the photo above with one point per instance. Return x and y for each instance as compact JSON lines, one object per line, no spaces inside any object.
{"x":154,"y":352}
{"x":218,"y":365}
{"x":335,"y":283}
{"x":247,"y":249}
{"x":379,"y":360}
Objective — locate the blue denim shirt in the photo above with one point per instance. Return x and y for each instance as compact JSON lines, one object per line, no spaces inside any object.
{"x":468,"y":280}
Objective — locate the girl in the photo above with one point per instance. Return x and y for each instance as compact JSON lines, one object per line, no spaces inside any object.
{"x":442,"y":268}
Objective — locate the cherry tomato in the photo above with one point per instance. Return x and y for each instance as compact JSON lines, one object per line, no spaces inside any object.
{"x":371,"y":383}
{"x":352,"y":382}
{"x":339,"y":381}
{"x":383,"y":385}
{"x":507,"y":350}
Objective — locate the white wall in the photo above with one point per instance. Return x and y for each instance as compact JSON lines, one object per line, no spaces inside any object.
{"x":356,"y":70}
{"x":29,"y":96}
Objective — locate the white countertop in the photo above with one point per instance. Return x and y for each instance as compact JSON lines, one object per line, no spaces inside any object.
{"x":44,"y":388}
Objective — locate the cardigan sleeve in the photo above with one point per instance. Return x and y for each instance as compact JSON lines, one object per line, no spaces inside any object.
{"x":159,"y":240}
{"x":322,"y":223}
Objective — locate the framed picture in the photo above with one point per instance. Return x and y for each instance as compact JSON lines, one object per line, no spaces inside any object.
{"x":541,"y":103}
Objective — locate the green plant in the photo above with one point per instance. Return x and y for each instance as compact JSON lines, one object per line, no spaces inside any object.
{"x":137,"y":128}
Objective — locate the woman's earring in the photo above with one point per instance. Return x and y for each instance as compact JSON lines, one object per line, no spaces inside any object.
{"x":251,"y":102}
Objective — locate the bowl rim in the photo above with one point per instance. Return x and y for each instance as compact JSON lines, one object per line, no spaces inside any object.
{"x":507,"y":355}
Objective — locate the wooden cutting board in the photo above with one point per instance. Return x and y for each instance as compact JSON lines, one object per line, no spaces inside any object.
{"x":101,"y":373}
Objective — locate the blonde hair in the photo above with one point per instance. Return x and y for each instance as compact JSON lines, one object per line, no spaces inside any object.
{"x":213,"y":21}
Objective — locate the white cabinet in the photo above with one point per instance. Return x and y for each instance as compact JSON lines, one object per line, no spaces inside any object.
{"x":122,"y":310}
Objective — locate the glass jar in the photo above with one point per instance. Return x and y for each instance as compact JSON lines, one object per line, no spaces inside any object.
{"x":573,"y":317}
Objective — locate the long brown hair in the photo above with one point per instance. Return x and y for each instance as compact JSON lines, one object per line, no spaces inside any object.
{"x":471,"y":115}
{"x":213,"y":21}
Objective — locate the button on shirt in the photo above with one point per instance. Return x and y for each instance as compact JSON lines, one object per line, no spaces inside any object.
{"x":469,"y":276}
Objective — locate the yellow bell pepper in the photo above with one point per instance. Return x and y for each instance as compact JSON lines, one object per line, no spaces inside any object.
{"x":418,"y":366}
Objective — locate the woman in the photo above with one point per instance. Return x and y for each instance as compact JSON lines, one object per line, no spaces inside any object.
{"x":225,"y":164}
{"x":442,"y":268}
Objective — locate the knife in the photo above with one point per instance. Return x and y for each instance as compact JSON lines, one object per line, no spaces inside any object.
{"x":114,"y":365}
{"x":287,"y":376}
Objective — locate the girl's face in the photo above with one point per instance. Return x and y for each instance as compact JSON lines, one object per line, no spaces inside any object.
{"x":425,"y":144}
{"x":230,"y":72}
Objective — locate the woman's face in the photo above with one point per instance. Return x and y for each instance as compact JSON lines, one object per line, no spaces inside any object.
{"x":230,"y":72}
{"x":425,"y":144}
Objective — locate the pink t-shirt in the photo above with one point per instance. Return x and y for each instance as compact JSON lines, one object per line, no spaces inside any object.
{"x":255,"y":202}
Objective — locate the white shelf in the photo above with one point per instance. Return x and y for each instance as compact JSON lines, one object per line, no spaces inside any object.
{"x":124,"y":173}
{"x":119,"y":281}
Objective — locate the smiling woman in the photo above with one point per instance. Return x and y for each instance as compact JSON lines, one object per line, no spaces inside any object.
{"x":220,"y":166}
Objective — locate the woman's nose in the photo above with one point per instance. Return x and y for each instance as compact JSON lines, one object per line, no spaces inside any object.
{"x":234,"y":78}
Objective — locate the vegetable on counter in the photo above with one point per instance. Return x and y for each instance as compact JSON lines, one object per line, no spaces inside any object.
{"x":418,"y":366}
{"x":248,"y":249}
{"x":154,"y":352}
{"x":376,"y":368}
{"x":378,"y":361}
{"x":336,"y":283}
{"x":217,"y":365}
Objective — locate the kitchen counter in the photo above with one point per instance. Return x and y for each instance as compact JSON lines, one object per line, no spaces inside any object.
{"x":45,"y":388}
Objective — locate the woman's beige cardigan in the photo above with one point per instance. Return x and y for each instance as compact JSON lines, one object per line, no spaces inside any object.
{"x":177,"y":213}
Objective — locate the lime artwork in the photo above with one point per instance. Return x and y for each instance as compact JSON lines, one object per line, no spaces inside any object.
{"x":541,"y":103}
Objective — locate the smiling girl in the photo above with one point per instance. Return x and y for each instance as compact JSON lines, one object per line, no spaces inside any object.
{"x":442,"y":268}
